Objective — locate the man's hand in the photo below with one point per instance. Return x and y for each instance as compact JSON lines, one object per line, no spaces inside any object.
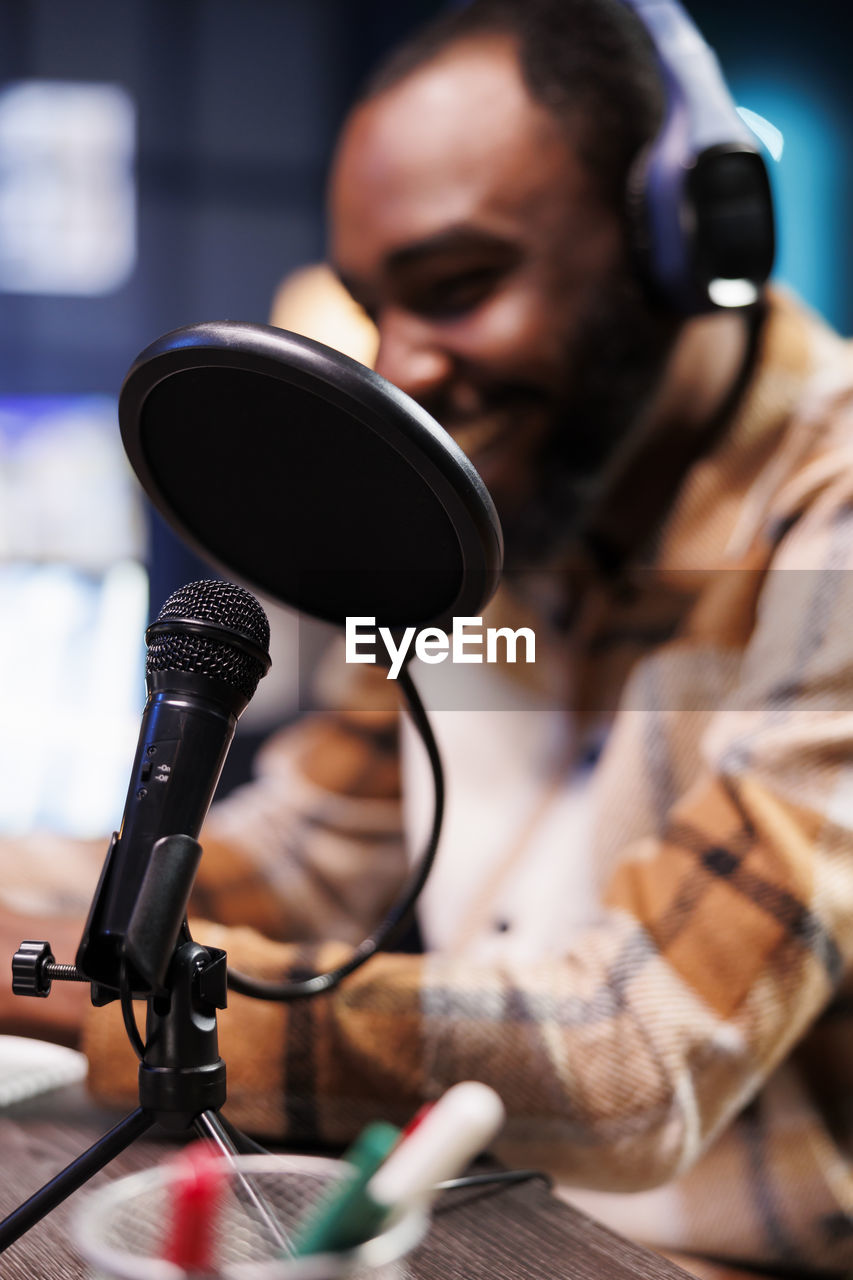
{"x":58,"y":1016}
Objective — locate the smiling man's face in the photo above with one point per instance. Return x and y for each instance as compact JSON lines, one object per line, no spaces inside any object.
{"x":469,"y":229}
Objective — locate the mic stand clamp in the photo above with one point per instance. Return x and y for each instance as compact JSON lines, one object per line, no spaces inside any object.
{"x":180,"y":1029}
{"x":181,"y":1074}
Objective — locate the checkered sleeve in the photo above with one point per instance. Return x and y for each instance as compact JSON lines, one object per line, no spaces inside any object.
{"x":726,"y":933}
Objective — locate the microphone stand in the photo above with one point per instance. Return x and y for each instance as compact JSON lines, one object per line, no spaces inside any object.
{"x":181,"y":1075}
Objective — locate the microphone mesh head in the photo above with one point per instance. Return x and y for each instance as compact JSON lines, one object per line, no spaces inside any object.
{"x":230,"y":609}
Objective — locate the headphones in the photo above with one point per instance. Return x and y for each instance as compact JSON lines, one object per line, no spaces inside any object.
{"x":700,"y":211}
{"x":700,"y":208}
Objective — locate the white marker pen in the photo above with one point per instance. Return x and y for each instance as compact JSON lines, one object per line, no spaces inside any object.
{"x":456,"y":1128}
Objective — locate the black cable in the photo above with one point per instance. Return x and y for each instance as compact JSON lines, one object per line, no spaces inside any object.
{"x":398,"y":916}
{"x":126,"y":998}
{"x":497,"y":1176}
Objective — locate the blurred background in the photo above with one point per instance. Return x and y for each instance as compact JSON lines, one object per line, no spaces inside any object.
{"x":163,"y":163}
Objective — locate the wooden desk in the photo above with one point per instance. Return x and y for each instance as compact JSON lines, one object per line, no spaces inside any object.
{"x":520,"y":1232}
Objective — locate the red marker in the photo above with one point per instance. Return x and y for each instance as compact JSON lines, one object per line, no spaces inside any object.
{"x":196,"y":1199}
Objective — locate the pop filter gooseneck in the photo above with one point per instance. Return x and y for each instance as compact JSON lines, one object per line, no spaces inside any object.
{"x":308,"y":476}
{"x":398,"y":916}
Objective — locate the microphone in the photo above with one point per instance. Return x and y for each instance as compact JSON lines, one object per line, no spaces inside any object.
{"x":207,"y":650}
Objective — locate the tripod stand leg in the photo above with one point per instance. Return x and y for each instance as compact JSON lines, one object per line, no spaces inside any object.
{"x":73,"y":1176}
{"x":209,"y":1125}
{"x":243,"y":1144}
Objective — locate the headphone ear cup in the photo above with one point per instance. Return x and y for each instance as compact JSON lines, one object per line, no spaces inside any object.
{"x":698,"y":202}
{"x":732,"y":235}
{"x":694,"y":226}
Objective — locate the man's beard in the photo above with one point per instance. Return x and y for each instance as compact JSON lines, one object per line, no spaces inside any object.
{"x":614,"y":366}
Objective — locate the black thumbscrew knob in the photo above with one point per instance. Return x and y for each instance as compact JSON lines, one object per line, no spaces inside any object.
{"x":28,"y":965}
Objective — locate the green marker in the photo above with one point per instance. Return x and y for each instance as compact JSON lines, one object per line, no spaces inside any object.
{"x":347,"y":1216}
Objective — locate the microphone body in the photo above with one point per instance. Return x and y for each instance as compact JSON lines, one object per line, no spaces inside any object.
{"x":183,"y":743}
{"x":204,"y":662}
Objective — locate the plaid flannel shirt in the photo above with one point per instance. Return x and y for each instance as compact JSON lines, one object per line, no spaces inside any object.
{"x":698,"y":1034}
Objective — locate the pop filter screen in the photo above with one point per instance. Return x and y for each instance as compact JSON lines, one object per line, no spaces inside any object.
{"x":309,"y":477}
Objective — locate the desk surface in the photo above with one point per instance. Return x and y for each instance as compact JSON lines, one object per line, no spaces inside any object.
{"x":519,"y":1231}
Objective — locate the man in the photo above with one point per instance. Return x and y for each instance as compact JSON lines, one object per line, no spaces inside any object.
{"x":677,"y":503}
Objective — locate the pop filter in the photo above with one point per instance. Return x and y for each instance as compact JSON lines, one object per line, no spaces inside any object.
{"x":308,"y":476}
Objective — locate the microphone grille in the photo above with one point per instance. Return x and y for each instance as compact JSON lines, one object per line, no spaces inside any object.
{"x":239,"y":658}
